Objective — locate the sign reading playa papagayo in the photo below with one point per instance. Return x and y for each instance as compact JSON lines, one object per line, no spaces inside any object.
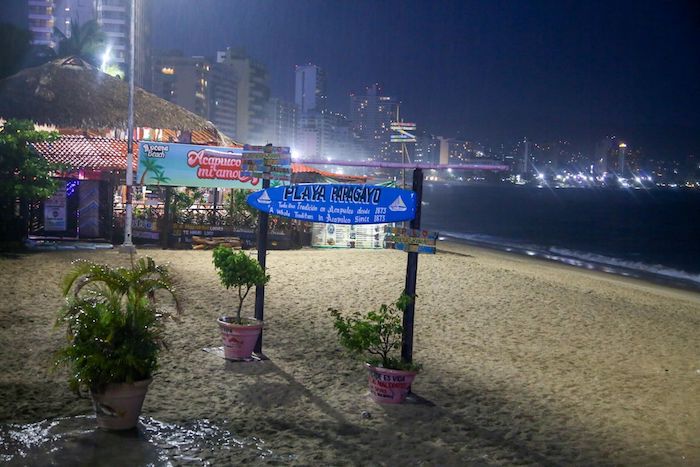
{"x":190,"y":165}
{"x":337,"y":204}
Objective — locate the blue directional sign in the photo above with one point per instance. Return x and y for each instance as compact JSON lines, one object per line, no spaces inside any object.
{"x":337,"y":204}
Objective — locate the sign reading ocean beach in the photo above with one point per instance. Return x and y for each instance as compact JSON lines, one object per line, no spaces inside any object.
{"x":171,"y":164}
{"x":337,"y":204}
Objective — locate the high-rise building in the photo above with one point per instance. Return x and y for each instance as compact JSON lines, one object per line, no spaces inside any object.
{"x":253,"y":94}
{"x":207,"y":89}
{"x":113,"y":17}
{"x":310,"y":88}
{"x":41,"y":21}
{"x":281,"y":122}
{"x":427,"y":149}
{"x":67,"y":12}
{"x":371,"y":115}
{"x":183,"y":81}
{"x":223,"y":98}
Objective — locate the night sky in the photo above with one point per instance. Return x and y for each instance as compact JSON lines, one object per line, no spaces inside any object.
{"x":488,"y":70}
{"x":492,"y":71}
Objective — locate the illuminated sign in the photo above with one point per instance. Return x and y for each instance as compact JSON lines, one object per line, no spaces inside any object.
{"x":405,"y":132}
{"x":410,"y":240}
{"x":337,"y":204}
{"x":174,"y":164}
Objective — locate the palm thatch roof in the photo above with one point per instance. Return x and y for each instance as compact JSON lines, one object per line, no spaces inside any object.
{"x":70,"y":93}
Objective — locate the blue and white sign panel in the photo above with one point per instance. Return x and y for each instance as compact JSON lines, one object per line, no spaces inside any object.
{"x":337,"y":204}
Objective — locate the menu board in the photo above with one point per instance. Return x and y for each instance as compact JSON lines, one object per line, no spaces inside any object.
{"x":348,"y":236}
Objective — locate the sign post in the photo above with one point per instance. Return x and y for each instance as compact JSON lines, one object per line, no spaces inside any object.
{"x":262,"y":253}
{"x":282,"y":169}
{"x":411,"y":272}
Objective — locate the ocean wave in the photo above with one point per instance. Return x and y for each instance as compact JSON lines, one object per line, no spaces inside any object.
{"x":585,"y":260}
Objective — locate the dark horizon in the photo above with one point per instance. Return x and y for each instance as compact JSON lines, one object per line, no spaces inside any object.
{"x":495,"y":72}
{"x":489,"y":71}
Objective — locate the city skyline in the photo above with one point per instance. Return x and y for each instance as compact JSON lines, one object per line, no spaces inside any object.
{"x":494,"y":72}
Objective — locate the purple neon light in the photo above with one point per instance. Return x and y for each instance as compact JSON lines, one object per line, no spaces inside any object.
{"x":399,"y":165}
{"x":383,"y":165}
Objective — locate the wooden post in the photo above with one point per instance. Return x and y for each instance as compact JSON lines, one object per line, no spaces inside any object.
{"x":262,"y":253}
{"x":411,"y":272}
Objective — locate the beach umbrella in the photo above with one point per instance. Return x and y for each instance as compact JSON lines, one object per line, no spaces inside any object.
{"x":70,"y":93}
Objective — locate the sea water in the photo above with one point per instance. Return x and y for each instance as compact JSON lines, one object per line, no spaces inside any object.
{"x":653,"y":234}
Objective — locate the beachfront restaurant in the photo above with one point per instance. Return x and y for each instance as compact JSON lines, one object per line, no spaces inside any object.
{"x":89,"y":201}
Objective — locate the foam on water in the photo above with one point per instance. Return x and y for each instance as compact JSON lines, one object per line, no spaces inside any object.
{"x":77,"y":441}
{"x":584,"y":260}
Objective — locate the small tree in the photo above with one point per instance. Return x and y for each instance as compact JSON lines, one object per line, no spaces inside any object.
{"x":237,"y":269}
{"x":24,"y":175}
{"x":376,"y":335}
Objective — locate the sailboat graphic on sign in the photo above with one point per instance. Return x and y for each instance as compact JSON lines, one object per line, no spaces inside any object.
{"x":397,"y":205}
{"x":264,"y":198}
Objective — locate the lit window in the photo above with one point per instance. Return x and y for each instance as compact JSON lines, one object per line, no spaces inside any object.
{"x":167,"y":71}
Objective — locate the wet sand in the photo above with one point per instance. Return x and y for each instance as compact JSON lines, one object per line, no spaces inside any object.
{"x":524,"y":361}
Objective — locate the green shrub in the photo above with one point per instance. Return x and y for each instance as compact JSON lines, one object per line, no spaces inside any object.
{"x":376,"y":335}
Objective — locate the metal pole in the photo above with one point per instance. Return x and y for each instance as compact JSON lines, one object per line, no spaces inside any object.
{"x":262,"y":253}
{"x":411,"y":272}
{"x":128,"y":245}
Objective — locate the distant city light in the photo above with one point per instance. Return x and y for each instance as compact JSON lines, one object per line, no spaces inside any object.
{"x":105,"y":58}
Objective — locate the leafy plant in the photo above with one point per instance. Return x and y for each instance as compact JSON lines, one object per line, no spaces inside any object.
{"x":237,"y":269}
{"x":24,"y":176}
{"x":375,"y":335}
{"x":85,"y":40}
{"x":237,"y":209}
{"x":114,"y":328}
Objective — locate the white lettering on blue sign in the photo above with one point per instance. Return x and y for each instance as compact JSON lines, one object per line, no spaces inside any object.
{"x":337,"y":204}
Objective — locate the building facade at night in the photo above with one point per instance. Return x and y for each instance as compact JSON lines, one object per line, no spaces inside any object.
{"x":310,"y":88}
{"x":253,"y":93}
{"x":281,"y":124}
{"x":112,"y":16}
{"x":371,"y":114}
{"x":202,"y":87}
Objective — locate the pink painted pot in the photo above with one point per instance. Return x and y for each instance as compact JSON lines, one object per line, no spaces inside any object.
{"x":388,"y":386}
{"x":118,"y":407}
{"x":239,"y":339}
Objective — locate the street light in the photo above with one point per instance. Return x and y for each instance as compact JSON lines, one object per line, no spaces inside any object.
{"x":128,"y":245}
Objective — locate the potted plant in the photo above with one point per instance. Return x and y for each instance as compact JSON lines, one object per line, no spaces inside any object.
{"x":376,"y":337}
{"x":114,"y":333}
{"x":237,"y":269}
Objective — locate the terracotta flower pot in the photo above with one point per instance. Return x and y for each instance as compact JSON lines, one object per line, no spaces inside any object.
{"x":118,"y":407}
{"x":388,"y":386}
{"x":239,"y":339}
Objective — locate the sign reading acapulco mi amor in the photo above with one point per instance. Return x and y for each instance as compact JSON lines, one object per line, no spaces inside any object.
{"x":337,"y":204}
{"x":190,"y":165}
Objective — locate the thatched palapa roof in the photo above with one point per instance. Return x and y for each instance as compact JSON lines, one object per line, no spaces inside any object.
{"x":70,"y":93}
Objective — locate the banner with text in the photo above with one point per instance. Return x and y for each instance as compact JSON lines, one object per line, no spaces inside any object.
{"x":337,"y":204}
{"x":174,"y":164}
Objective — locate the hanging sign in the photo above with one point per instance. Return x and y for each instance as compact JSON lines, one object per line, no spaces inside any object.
{"x":337,"y":204}
{"x":410,"y":240}
{"x":192,"y":165}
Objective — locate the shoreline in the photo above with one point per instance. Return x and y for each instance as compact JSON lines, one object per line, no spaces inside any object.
{"x":584,"y":265}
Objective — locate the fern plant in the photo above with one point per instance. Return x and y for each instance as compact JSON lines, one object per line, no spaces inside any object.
{"x":114,"y":329}
{"x":375,"y":335}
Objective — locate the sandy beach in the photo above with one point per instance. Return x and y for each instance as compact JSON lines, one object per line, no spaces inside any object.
{"x":524,"y":361}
